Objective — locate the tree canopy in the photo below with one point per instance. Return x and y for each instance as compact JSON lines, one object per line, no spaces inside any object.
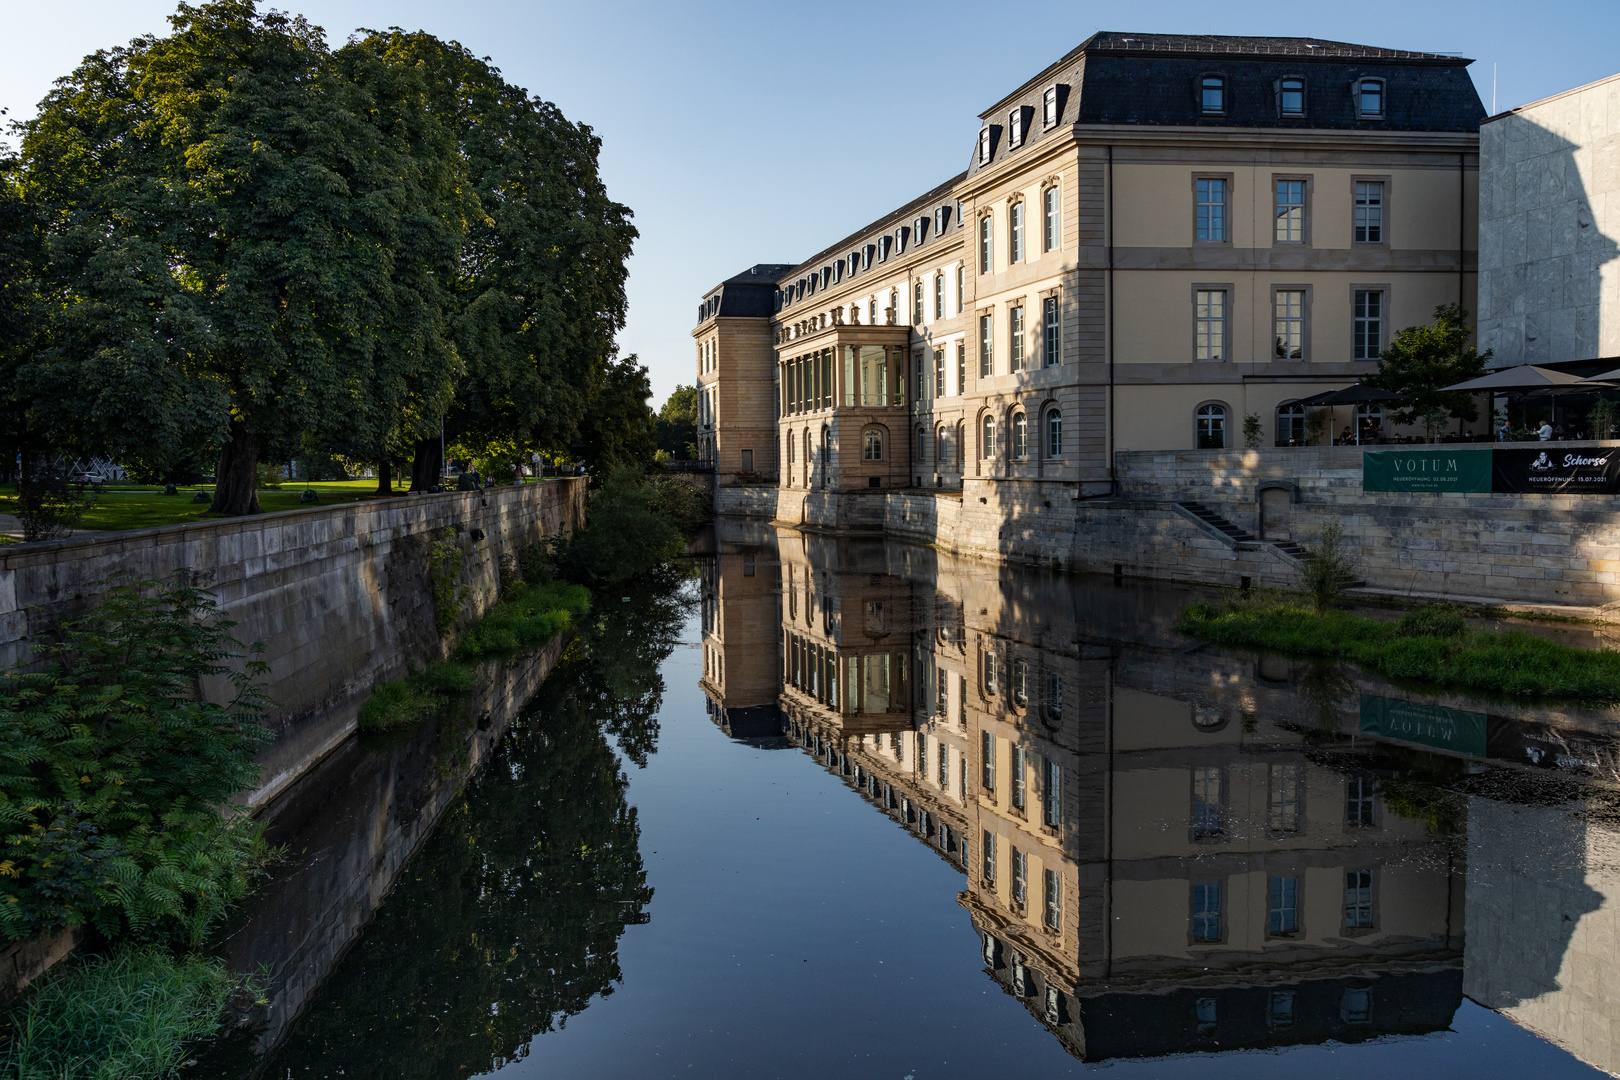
{"x":236,"y":239}
{"x":1422,"y":359}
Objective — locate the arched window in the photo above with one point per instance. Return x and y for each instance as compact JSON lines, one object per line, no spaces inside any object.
{"x":1212,"y":427}
{"x":1054,"y":434}
{"x":1291,"y":424}
{"x":922,"y":444}
{"x":941,"y":446}
{"x":961,"y":445}
{"x":988,"y":443}
{"x":825,"y":451}
{"x":1020,"y":435}
{"x":873,"y":438}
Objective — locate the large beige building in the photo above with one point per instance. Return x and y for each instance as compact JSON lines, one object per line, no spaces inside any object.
{"x":1156,"y":238}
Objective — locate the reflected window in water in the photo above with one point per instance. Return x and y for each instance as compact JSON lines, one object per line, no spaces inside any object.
{"x":1208,"y":799}
{"x":1020,"y":683}
{"x":1284,"y":794}
{"x":1281,"y":1011}
{"x":988,"y":849}
{"x":1206,"y":911}
{"x":1358,"y":900}
{"x":944,"y":767}
{"x":922,"y":752}
{"x":1020,"y":878}
{"x":1358,"y":800}
{"x":942,"y":696}
{"x":1204,"y":1012}
{"x":991,"y":680}
{"x":1053,"y":793}
{"x":1356,"y":1006}
{"x":987,"y":756}
{"x":897,"y":746}
{"x":1019,"y":766}
{"x":1054,"y":699}
{"x":876,"y":621}
{"x":1054,"y":899}
{"x":1055,"y":1012}
{"x":1284,"y":914}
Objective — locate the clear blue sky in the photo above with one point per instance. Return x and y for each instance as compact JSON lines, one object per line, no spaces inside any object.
{"x":761,"y":132}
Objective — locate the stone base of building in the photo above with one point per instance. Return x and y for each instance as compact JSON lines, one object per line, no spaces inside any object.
{"x":1237,"y":517}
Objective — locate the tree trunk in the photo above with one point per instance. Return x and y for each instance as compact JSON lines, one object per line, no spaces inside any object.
{"x":236,"y":482}
{"x":385,"y":477}
{"x":425,"y":467}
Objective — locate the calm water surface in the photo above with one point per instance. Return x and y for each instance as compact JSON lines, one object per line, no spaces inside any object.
{"x":853,"y":808}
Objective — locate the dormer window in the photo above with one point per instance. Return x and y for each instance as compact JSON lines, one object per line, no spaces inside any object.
{"x":1291,"y":96}
{"x":854,"y":262}
{"x":1049,"y":107}
{"x":884,"y":245}
{"x":1212,"y":95}
{"x":1369,"y":99}
{"x":984,"y":145}
{"x":838,"y":271}
{"x":919,"y":229}
{"x":942,"y":218}
{"x":901,"y":235}
{"x":1015,"y":129}
{"x":826,"y":276}
{"x":866,"y":256}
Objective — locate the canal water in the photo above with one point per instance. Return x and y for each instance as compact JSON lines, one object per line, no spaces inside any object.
{"x":842,"y":807}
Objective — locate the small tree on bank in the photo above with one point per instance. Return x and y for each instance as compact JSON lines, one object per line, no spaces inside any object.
{"x":1423,"y":359}
{"x":1329,"y":570}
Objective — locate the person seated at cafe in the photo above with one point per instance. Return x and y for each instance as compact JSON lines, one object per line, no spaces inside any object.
{"x":1545,"y":432}
{"x":1345,"y":437}
{"x":1505,"y":432}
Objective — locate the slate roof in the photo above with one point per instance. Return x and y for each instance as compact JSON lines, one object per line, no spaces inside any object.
{"x":1120,"y":78}
{"x":750,"y":294}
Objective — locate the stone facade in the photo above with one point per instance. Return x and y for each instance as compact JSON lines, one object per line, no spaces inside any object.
{"x":1549,"y":229}
{"x":1155,"y":237}
{"x":339,"y":596}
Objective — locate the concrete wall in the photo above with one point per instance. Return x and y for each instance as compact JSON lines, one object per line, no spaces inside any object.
{"x":339,"y":596}
{"x":1549,"y":192}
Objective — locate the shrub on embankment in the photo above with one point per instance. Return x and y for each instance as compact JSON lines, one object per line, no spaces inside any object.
{"x":127,"y":1015}
{"x":1432,"y":644}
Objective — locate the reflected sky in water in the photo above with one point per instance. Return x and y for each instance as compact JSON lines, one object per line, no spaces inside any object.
{"x":903,"y":816}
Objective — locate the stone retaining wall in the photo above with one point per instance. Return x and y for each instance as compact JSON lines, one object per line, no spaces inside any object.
{"x":339,"y":596}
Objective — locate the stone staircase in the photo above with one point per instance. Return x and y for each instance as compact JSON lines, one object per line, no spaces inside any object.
{"x":1219,"y":524}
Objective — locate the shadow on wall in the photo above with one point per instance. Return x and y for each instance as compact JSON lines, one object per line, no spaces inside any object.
{"x":1542,"y":254}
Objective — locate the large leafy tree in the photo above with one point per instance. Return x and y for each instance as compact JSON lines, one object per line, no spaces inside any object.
{"x":246,"y":238}
{"x":677,"y":423}
{"x":1423,"y":359}
{"x":539,"y":289}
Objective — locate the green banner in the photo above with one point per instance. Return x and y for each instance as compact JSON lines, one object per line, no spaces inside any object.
{"x":1426,"y":469}
{"x":1428,"y":725}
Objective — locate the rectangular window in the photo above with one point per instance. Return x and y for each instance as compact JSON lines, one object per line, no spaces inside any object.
{"x":987,"y":340}
{"x":987,"y":759}
{"x":1053,"y":794}
{"x":1290,"y":211}
{"x":1020,"y":877}
{"x":1369,"y":212}
{"x":987,"y":849}
{"x":985,"y":236}
{"x":920,"y":385}
{"x":1280,"y":1013}
{"x":917,"y":302}
{"x":961,"y":777}
{"x":1358,"y":900}
{"x":1291,"y":97}
{"x":1051,"y":332}
{"x":939,"y":296}
{"x":1049,"y":107}
{"x":1288,"y":314}
{"x":1015,"y":324}
{"x":1015,"y":230}
{"x":944,"y":766}
{"x":1212,"y":94}
{"x":961,"y":288}
{"x":1054,"y":899}
{"x":1206,"y":912}
{"x":1358,"y":800}
{"x":961,"y":367}
{"x":1211,"y":216}
{"x":1015,"y":129}
{"x":984,"y":145}
{"x":939,"y":374}
{"x":1284,"y":791}
{"x":1284,"y":909}
{"x":1210,"y":324}
{"x":1369,"y":324}
{"x":1050,"y":203}
{"x":1208,"y":801}
{"x":1018,"y":767}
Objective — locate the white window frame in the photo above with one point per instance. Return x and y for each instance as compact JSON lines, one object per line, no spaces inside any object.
{"x":1204,"y":87}
{"x":1049,"y":107}
{"x":1358,"y":91}
{"x":984,"y":145}
{"x":1211,"y":323}
{"x":1052,"y":330}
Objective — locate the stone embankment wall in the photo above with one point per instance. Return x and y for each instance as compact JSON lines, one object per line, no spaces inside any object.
{"x":339,"y":596}
{"x":1533,"y":549}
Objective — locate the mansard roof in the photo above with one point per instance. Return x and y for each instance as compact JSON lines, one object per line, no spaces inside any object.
{"x":1151,"y":79}
{"x":750,"y":294}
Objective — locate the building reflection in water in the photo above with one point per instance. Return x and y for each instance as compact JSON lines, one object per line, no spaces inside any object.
{"x":1165,"y":848}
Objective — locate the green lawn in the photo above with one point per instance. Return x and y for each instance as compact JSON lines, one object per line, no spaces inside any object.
{"x":136,"y":506}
